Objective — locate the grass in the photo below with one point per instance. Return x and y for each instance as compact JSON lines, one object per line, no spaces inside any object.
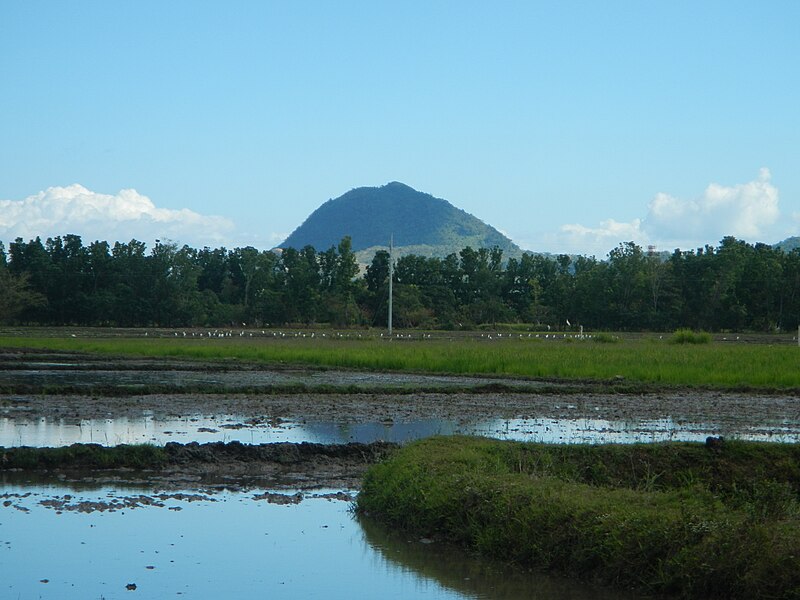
{"x":648,"y":361}
{"x":687,"y":336}
{"x":676,"y":519}
{"x":84,"y":456}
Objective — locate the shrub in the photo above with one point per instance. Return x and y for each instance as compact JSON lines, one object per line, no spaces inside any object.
{"x":687,"y":336}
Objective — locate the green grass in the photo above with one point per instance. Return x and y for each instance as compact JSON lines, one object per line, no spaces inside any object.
{"x":675,"y":519}
{"x":640,"y":360}
{"x":687,"y":336}
{"x":84,"y":456}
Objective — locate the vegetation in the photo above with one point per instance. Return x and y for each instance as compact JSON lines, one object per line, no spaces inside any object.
{"x":371,"y":215}
{"x":647,"y":361}
{"x":735,"y":287}
{"x":687,"y":520}
{"x":687,"y":336}
{"x":84,"y":456}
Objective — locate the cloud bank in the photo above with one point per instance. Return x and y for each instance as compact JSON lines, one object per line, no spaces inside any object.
{"x":747,"y":211}
{"x":121,"y":217}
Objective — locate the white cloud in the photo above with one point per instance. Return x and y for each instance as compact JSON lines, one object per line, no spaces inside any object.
{"x":606,"y":236}
{"x":748,"y":211}
{"x":94,"y":216}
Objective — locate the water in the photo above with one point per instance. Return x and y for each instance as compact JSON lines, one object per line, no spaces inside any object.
{"x":44,"y":432}
{"x":233,"y":544}
{"x":222,"y":544}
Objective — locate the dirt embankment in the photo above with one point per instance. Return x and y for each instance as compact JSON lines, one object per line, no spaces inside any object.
{"x":229,"y":465}
{"x":303,"y":465}
{"x":193,"y":465}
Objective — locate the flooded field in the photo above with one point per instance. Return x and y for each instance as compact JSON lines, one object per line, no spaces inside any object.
{"x":118,"y":414}
{"x":192,"y":535}
{"x":203,"y":544}
{"x":150,"y":429}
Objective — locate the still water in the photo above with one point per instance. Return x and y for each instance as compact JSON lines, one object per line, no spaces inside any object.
{"x":59,"y":543}
{"x":45,"y":432}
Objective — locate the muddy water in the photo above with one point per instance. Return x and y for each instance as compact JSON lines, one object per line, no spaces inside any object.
{"x":51,"y":432}
{"x":376,"y":406}
{"x":59,"y":543}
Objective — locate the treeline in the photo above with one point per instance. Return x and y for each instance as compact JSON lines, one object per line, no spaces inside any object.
{"x":735,"y":286}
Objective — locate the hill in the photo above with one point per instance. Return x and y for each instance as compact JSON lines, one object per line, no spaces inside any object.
{"x":419,"y":223}
{"x":788,"y":244}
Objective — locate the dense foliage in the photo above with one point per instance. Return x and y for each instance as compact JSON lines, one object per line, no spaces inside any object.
{"x":736,"y":286}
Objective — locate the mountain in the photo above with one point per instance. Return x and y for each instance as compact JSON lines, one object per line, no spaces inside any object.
{"x":419,"y":223}
{"x":788,"y":244}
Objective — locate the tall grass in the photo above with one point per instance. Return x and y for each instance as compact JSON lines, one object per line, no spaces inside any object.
{"x":687,"y":336}
{"x":645,"y":361}
{"x":676,"y":519}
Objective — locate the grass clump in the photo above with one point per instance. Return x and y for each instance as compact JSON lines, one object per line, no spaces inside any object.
{"x":676,"y":519}
{"x":687,"y":336}
{"x":84,"y":456}
{"x":605,"y":338}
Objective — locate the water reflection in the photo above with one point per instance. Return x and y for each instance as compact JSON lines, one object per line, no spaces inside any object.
{"x":44,"y":432}
{"x":474,"y":577}
{"x":204,"y":544}
{"x":603,"y":431}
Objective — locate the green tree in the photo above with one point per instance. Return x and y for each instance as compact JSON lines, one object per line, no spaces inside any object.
{"x":32,"y":261}
{"x":133,"y":301}
{"x":627,"y":282}
{"x":302,"y":284}
{"x":16,"y":296}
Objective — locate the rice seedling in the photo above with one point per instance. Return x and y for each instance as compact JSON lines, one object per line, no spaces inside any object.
{"x":634,"y":360}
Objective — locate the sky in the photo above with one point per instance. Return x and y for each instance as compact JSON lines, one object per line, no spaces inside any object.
{"x":570,"y":126}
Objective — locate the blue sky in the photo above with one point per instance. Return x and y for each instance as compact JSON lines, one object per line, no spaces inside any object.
{"x":569,"y":126}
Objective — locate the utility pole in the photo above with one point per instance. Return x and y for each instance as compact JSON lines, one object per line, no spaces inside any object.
{"x":391,"y":276}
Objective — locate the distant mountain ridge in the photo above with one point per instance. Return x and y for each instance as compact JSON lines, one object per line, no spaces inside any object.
{"x":419,"y":223}
{"x":788,"y":244}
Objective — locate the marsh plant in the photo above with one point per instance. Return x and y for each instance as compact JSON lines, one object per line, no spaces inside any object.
{"x":687,"y":336}
{"x":687,"y":520}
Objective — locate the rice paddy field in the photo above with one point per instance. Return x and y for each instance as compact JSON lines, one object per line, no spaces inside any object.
{"x":542,"y":451}
{"x":766,"y":362}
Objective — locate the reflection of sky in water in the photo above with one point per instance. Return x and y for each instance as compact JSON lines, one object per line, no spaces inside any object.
{"x":228,"y":545}
{"x":601,"y":431}
{"x":228,"y":428}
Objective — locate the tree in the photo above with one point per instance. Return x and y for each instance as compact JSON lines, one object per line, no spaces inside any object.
{"x":302,"y":284}
{"x":133,"y":301}
{"x":16,"y":296}
{"x":32,"y":261}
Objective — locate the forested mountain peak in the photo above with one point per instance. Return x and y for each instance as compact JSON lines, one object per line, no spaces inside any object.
{"x":418,"y":222}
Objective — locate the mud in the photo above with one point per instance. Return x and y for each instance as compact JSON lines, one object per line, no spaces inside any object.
{"x":405,"y":399}
{"x":729,"y":409}
{"x":215,"y":466}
